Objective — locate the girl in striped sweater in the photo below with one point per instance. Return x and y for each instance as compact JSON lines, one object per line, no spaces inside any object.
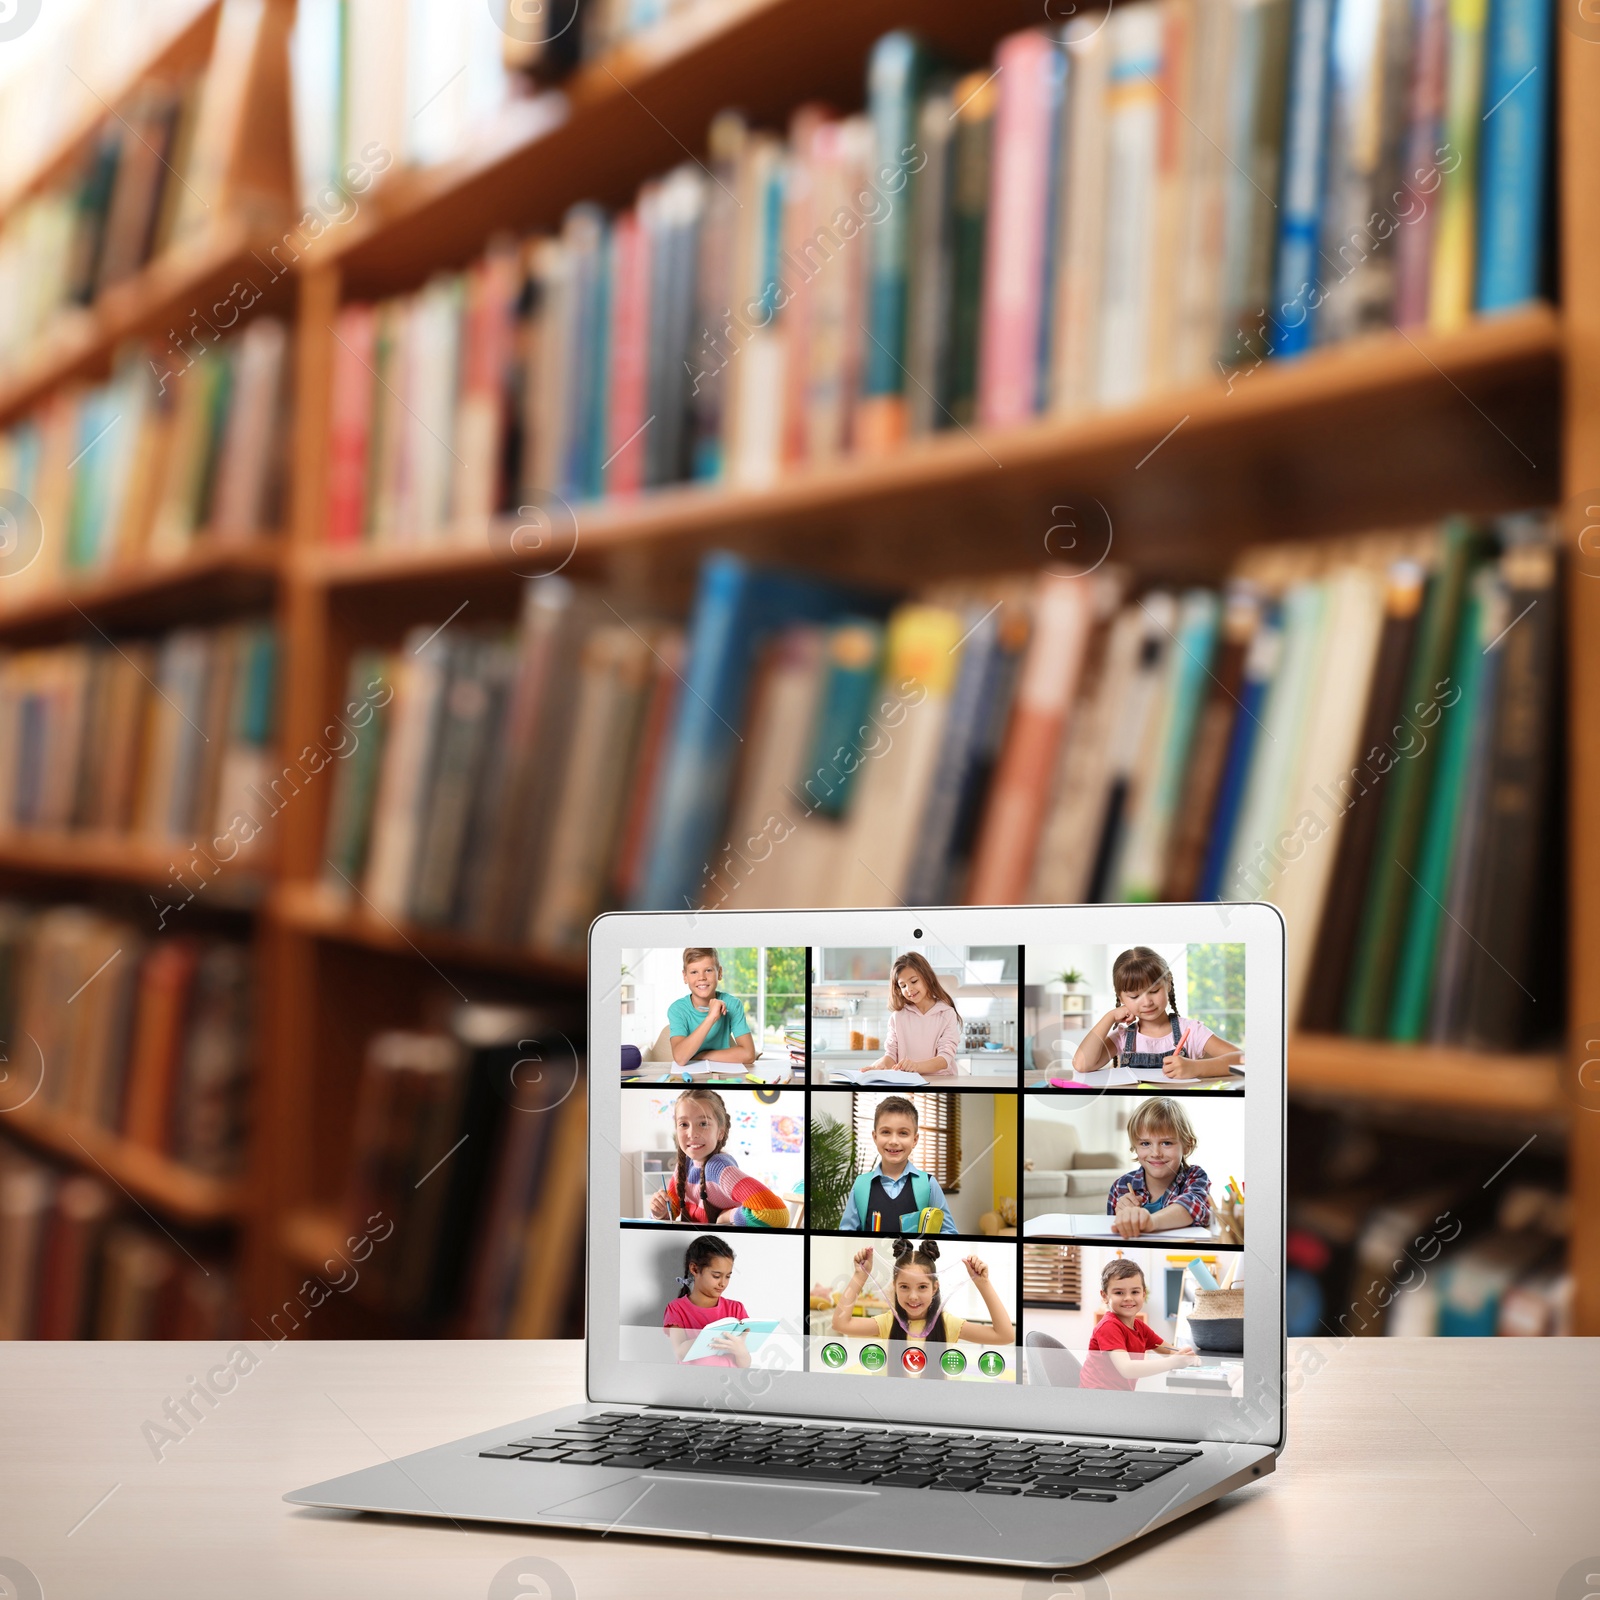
{"x":707,"y":1187}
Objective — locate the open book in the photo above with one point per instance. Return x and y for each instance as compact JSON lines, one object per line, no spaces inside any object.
{"x":888,"y":1077}
{"x":755,"y":1335}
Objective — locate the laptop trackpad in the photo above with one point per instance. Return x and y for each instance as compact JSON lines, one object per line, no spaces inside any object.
{"x":712,"y":1505}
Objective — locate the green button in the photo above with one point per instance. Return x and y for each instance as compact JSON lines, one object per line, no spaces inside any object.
{"x":873,"y":1356}
{"x":834,"y":1355}
{"x":953,"y":1361}
{"x":991,"y":1363}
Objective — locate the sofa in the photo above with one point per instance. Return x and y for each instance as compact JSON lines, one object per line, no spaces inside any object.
{"x":1065,"y":1176}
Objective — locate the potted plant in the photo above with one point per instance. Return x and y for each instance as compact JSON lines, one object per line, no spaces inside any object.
{"x":833,"y":1170}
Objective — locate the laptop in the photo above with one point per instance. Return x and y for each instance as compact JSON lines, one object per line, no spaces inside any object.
{"x":999,"y":1306}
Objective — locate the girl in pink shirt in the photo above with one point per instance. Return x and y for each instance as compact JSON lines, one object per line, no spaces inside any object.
{"x":924,"y":1025}
{"x":702,"y":1299}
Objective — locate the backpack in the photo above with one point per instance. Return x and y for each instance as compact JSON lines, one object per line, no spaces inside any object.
{"x":921,"y":1190}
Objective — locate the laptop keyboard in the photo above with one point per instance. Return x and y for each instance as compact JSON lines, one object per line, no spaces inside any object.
{"x":1052,"y":1469}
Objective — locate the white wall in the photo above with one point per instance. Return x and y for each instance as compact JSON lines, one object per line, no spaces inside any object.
{"x":768,"y":1272}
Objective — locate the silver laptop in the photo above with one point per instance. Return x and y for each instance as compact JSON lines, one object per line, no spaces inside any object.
{"x":916,"y":1233}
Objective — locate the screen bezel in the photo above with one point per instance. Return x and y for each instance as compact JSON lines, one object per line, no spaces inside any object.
{"x":1256,"y":1418}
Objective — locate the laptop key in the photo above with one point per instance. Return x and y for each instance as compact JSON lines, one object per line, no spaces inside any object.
{"x":954,"y":1480}
{"x":1047,"y":1494}
{"x":504,"y":1452}
{"x":543,"y":1455}
{"x":904,"y":1480}
{"x":543,"y":1444}
{"x":803,"y":1474}
{"x":998,"y":1488}
{"x":635,"y":1461}
{"x":585,"y":1458}
{"x":1087,"y":1495}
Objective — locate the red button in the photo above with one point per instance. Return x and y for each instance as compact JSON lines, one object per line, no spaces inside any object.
{"x":914,"y":1360}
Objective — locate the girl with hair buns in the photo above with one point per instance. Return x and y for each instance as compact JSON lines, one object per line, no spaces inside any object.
{"x":918,"y":1315}
{"x":708,"y":1187}
{"x":924,"y":1025}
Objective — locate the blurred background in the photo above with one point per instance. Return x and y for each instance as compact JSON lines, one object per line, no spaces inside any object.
{"x":466,"y":465}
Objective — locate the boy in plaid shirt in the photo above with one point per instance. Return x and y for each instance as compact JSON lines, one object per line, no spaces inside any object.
{"x":1165,"y":1190}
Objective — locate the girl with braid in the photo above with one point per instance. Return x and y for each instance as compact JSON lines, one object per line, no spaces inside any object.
{"x":702,"y":1299}
{"x":708,"y":1187}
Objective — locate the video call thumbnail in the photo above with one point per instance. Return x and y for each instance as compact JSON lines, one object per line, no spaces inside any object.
{"x":705,"y":1157}
{"x":1134,"y":1320}
{"x":918,"y":1307}
{"x":729,"y":1015}
{"x":897,"y":1016}
{"x":928,"y":1161}
{"x":712,"y":1298}
{"x":1103,"y":1016}
{"x":1131,"y":1168}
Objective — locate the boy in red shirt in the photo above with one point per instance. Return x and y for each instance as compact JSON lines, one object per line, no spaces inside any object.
{"x":1124,"y":1347}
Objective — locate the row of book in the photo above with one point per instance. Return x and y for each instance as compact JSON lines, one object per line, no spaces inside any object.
{"x":470,"y":1141}
{"x":1386,"y":1237}
{"x":168,"y":740}
{"x":1139,"y":200}
{"x":180,"y":449}
{"x":73,"y":1265}
{"x":146,"y":1037}
{"x":127,"y":202}
{"x":59,"y":73}
{"x":1362,"y":731}
{"x":417,"y":81}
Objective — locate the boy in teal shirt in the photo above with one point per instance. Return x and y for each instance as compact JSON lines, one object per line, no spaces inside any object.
{"x":708,"y":1024}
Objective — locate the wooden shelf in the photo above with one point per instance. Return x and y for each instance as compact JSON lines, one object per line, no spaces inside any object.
{"x":312,"y":909}
{"x":1371,"y":1072}
{"x":1391,"y":426}
{"x":123,"y":859}
{"x":214,"y":577}
{"x":83,"y":339}
{"x":183,"y":44}
{"x":633,"y":114}
{"x":175,"y":1191}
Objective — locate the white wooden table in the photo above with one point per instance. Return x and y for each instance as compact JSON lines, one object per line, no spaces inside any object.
{"x":1415,"y":1468}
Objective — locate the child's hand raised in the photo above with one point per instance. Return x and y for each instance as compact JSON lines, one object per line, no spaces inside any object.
{"x":1123,"y":1013}
{"x":715,"y":1008}
{"x":863,"y":1260}
{"x":977,"y":1268}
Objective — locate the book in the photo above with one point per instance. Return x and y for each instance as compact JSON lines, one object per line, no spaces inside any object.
{"x":1392,"y":885}
{"x":1297,"y":282}
{"x":1455,"y":232}
{"x":1512,"y":185}
{"x":1031,"y":70}
{"x":1064,"y":619}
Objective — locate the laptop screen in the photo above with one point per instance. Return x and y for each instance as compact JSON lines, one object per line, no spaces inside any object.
{"x":979,"y":1165}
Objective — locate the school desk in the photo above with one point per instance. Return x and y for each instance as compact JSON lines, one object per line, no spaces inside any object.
{"x":1096,"y":1225}
{"x":1038,"y":1077}
{"x":1460,"y":1467}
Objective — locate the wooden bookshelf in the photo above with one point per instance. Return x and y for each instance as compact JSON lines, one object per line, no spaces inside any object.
{"x":1397,"y":427}
{"x":120,"y":858}
{"x":314,"y":911}
{"x":1330,"y":433}
{"x":174,"y":1192}
{"x":183,"y":45}
{"x":1369,"y":1072}
{"x":217,"y":577}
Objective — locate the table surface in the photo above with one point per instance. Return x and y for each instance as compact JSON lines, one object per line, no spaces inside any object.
{"x":1097,"y":1225}
{"x":1455,"y":1467}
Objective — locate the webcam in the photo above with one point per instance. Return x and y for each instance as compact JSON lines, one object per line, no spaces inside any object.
{"x":916,"y":933}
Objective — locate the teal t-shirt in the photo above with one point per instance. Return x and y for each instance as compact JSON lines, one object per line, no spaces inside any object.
{"x":683,"y":1017}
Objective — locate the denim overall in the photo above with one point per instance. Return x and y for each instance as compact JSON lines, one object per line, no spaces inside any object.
{"x":1149,"y":1060}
